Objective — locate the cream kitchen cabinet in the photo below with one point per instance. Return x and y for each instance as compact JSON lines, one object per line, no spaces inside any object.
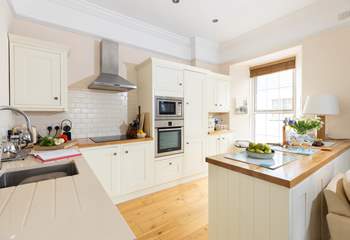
{"x":38,"y":75}
{"x":168,"y":169}
{"x":168,"y":81}
{"x":121,"y":169}
{"x":218,"y":144}
{"x":218,"y":93}
{"x":136,"y":167}
{"x":194,"y":122}
{"x":105,"y":163}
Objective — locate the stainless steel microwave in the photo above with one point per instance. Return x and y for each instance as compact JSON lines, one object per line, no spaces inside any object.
{"x":169,"y":108}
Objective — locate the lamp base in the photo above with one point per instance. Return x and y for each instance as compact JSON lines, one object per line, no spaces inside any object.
{"x":321,"y":134}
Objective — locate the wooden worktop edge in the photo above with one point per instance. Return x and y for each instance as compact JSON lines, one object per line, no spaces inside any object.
{"x":253,"y":172}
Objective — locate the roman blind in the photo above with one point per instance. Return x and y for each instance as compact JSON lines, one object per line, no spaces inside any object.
{"x":268,"y":68}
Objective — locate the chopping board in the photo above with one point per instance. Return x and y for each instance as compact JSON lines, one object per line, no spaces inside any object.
{"x":66,"y":145}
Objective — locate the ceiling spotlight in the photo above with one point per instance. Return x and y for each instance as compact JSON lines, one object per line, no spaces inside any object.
{"x":215,"y":20}
{"x":176,"y":1}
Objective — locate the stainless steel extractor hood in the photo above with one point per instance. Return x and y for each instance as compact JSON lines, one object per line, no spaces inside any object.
{"x":109,"y":78}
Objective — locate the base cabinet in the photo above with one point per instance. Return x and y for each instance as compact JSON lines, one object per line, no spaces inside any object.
{"x":194,"y":161}
{"x":168,"y":169}
{"x":122,"y":169}
{"x":136,"y":167}
{"x":219,"y":144}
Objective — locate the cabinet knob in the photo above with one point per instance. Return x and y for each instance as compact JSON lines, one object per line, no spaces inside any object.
{"x":126,"y":151}
{"x":180,"y":84}
{"x":56,"y":98}
{"x":187,"y":143}
{"x":114,"y":154}
{"x":170,"y":163}
{"x":220,"y":105}
{"x":187,"y":103}
{"x":216,"y":104}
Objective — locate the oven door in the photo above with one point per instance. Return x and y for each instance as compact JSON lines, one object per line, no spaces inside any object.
{"x":169,"y":141}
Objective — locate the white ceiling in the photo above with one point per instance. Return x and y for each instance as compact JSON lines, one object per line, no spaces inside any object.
{"x":193,"y":17}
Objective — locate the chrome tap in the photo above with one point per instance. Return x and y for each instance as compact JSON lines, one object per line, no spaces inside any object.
{"x":14,"y":148}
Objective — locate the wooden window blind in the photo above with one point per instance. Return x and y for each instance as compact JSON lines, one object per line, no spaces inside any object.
{"x":268,"y":68}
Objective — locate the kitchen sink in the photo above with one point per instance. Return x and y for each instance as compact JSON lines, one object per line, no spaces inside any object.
{"x":15,"y":178}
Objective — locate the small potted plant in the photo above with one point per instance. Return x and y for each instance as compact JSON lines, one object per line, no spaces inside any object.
{"x":303,"y":130}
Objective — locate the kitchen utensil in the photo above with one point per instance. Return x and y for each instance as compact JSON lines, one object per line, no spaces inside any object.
{"x":57,"y":128}
{"x":49,"y":129}
{"x":66,"y":126}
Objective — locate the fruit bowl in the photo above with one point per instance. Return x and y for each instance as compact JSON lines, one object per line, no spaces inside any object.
{"x":260,"y":151}
{"x":261,"y":155}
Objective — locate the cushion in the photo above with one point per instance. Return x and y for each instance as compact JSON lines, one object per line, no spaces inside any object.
{"x":337,"y":201}
{"x":346,"y":184}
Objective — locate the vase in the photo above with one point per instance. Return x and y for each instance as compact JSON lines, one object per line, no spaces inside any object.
{"x":298,"y":139}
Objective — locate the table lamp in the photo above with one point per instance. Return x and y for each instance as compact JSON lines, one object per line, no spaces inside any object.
{"x":321,"y":105}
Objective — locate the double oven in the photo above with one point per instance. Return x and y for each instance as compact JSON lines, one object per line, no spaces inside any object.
{"x":169,"y":126}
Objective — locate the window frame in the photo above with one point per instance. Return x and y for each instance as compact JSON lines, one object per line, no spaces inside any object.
{"x":294,"y":102}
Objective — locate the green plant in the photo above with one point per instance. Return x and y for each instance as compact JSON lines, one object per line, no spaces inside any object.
{"x":304,"y":125}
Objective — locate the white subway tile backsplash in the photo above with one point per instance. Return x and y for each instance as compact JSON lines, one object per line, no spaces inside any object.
{"x":92,"y":114}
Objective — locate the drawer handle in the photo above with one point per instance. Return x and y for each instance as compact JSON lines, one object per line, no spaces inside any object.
{"x":187,"y":143}
{"x":126,"y":152}
{"x":170,"y":163}
{"x":115,"y":154}
{"x":56,"y":98}
{"x":180,"y":84}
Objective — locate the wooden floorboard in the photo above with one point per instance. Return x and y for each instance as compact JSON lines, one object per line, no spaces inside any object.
{"x":178,"y":213}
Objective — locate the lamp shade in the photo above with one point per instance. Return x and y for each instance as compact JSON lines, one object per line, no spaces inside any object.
{"x":321,"y":105}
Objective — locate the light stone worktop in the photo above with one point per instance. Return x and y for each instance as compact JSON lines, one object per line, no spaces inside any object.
{"x":68,"y":208}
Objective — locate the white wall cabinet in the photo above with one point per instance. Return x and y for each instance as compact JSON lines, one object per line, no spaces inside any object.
{"x":38,"y":75}
{"x":218,"y":93}
{"x":168,"y":81}
{"x":121,"y":169}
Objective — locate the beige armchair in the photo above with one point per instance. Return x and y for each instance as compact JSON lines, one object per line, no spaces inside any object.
{"x":338,"y":216}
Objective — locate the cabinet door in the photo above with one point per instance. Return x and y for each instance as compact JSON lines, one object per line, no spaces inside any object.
{"x":168,"y":169}
{"x":35,"y":77}
{"x":212,"y":104}
{"x":136,"y":167}
{"x":168,"y":81}
{"x":212,"y":145}
{"x":194,"y":107}
{"x":104,"y":163}
{"x":194,"y":161}
{"x":225,"y":143}
{"x":223,"y":92}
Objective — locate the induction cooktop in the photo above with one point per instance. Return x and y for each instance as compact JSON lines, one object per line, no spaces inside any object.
{"x":108,"y":138}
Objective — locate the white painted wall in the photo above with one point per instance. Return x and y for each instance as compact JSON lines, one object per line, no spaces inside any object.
{"x":326,"y":70}
{"x":5,"y":20}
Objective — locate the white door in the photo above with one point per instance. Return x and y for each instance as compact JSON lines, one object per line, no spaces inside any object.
{"x":194,"y":160}
{"x":194,"y":107}
{"x":225,"y":143}
{"x":168,"y":81}
{"x":104,"y":163}
{"x":36,"y":77}
{"x":136,"y":165}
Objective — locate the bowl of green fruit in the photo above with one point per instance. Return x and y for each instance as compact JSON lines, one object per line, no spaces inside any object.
{"x":260,"y":151}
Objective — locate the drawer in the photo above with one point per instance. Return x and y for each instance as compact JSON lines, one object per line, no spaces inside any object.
{"x":168,"y":169}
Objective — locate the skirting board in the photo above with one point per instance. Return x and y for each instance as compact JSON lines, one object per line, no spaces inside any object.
{"x":130,"y":196}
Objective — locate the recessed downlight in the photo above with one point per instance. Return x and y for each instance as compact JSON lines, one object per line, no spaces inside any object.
{"x":176,"y":1}
{"x":215,"y":20}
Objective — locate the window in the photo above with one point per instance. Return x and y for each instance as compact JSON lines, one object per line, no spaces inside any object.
{"x":274,"y":95}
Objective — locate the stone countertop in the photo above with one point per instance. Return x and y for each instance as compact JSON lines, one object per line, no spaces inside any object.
{"x":288,"y":175}
{"x":69,"y":208}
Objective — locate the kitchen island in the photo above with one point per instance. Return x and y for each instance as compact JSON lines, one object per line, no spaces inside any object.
{"x":249,"y":202}
{"x":69,"y":208}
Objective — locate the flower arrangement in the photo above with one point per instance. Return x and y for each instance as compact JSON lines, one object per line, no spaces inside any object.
{"x":303,"y":126}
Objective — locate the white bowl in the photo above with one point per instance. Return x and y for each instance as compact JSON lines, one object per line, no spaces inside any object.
{"x":141,"y":135}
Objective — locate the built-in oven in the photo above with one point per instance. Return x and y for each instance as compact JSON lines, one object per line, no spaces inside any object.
{"x":169,"y":137}
{"x":169,"y":108}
